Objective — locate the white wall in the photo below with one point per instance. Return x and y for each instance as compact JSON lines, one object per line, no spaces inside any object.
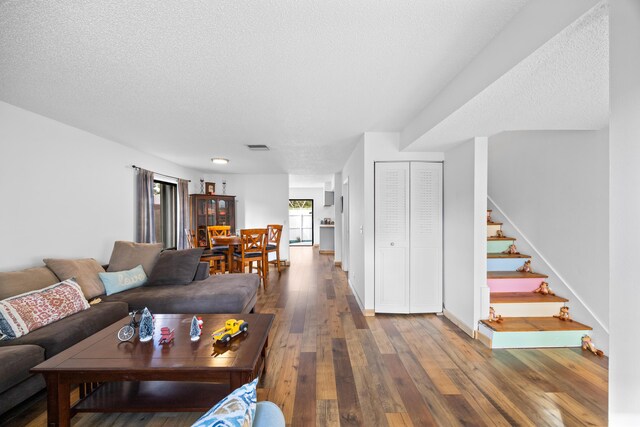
{"x":624,"y":214}
{"x":554,"y":186}
{"x":354,"y":172}
{"x":261,"y":199}
{"x":465,"y":238}
{"x":65,"y":192}
{"x":319,"y":210}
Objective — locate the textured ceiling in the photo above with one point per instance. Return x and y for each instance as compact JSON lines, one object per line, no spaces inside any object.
{"x":562,"y":85}
{"x":309,"y":181}
{"x":188,"y":81}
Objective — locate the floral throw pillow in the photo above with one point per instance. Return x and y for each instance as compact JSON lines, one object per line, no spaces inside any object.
{"x":27,"y":312}
{"x":236,"y":410}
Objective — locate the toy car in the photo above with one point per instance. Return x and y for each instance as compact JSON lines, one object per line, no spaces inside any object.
{"x":232,"y":328}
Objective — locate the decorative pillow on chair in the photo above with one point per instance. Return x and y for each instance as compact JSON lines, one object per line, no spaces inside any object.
{"x":175,"y":267}
{"x":127,"y":255}
{"x":84,"y":271}
{"x":123,"y":280}
{"x":236,"y":410}
{"x":27,"y":312}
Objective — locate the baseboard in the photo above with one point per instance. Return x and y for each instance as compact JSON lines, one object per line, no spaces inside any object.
{"x":467,"y":330}
{"x":360,"y":304}
{"x":483,"y":339}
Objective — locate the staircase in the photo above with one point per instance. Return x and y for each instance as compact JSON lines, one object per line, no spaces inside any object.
{"x":527,"y":316}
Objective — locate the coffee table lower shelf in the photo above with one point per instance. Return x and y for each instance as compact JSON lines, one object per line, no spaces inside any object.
{"x":152,"y":396}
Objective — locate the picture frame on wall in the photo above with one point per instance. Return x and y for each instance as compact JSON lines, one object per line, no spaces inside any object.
{"x":210,"y":188}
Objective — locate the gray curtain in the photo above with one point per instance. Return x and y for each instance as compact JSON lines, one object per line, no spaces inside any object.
{"x":183,"y":214}
{"x":145,"y":227}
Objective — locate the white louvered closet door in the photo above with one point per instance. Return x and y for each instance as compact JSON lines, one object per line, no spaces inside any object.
{"x":425,"y":275}
{"x":392,"y":237}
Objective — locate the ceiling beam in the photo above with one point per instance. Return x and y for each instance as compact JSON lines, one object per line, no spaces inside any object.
{"x":532,"y":27}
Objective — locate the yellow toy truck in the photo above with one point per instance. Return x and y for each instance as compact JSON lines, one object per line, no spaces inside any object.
{"x":232,"y":328}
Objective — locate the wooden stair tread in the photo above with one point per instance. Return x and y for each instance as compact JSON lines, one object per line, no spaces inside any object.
{"x":500,"y":238}
{"x":523,"y":297}
{"x":503,"y":255}
{"x":534,"y":324}
{"x":514,"y":275}
{"x":494,"y":223}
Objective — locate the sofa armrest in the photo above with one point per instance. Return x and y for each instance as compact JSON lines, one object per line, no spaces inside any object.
{"x":202,"y":272}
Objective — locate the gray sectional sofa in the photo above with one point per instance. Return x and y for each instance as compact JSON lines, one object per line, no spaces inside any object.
{"x":229,"y":293}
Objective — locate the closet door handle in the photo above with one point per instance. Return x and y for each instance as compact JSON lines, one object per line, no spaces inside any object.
{"x":392,"y":243}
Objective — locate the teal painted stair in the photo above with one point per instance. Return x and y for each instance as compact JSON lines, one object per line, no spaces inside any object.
{"x":527,"y":317}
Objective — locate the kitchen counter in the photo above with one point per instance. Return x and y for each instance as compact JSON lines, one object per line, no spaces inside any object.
{"x":327,"y":242}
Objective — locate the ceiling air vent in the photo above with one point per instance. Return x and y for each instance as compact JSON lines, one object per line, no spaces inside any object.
{"x":258,"y":147}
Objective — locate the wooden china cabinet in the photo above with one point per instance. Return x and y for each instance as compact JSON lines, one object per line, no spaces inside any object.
{"x":210,"y":210}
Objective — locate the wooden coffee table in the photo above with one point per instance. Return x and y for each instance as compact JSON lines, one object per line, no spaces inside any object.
{"x":133,"y":376}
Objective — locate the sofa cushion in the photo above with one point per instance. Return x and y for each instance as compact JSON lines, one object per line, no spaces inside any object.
{"x":18,"y":282}
{"x":126,"y":255}
{"x":25,"y":313}
{"x":221,"y":293}
{"x":85,"y":271}
{"x":119,"y":281}
{"x":61,"y":335}
{"x":16,"y":363}
{"x":175,"y":267}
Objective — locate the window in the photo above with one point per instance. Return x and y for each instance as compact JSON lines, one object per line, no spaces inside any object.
{"x":164,"y":212}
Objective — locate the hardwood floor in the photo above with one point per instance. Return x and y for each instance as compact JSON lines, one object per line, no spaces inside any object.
{"x":328,"y":365}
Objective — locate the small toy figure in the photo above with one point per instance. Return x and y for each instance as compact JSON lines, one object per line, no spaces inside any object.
{"x":196,"y":329}
{"x":166,"y":335}
{"x":493,"y":317}
{"x":544,"y":289}
{"x":489,"y":220}
{"x":588,"y":345}
{"x":526,"y":267}
{"x":564,"y":314}
{"x":499,"y":233}
{"x":231,"y":328}
{"x":511,"y":250}
{"x":146,"y":326}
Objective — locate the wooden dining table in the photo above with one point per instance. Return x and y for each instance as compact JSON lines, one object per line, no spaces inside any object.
{"x":232,"y":241}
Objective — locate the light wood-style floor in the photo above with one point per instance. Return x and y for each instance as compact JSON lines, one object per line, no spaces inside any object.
{"x":328,"y":365}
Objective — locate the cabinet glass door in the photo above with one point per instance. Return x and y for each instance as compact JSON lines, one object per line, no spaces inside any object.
{"x":223,"y":212}
{"x":211,"y":212}
{"x":202,"y":239}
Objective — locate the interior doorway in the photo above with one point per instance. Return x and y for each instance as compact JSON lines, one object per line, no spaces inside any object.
{"x":345,"y":225}
{"x":301,"y":222}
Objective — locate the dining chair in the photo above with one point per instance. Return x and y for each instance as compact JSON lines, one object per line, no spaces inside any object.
{"x":216,"y":231}
{"x":217,"y":262}
{"x":273,"y":244}
{"x":252,"y":249}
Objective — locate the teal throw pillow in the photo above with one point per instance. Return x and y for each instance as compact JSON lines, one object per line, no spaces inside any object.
{"x":236,"y":410}
{"x":123,"y":280}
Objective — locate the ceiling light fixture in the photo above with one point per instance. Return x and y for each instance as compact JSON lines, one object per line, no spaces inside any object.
{"x":220,"y":161}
